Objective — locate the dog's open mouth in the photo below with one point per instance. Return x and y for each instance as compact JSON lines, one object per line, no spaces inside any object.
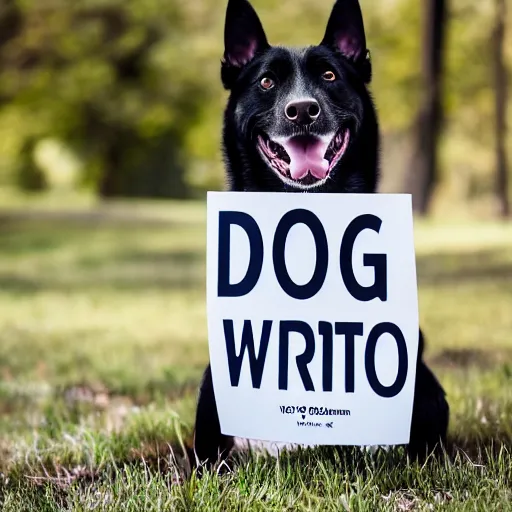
{"x":305,"y":160}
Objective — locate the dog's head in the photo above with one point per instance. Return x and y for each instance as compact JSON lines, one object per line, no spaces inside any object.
{"x":299,"y":119}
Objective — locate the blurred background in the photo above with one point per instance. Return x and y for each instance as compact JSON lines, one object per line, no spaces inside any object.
{"x":110,"y":123}
{"x":123,"y":99}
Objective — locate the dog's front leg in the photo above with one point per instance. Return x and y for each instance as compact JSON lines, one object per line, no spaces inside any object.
{"x":430,"y":413}
{"x":210,"y":445}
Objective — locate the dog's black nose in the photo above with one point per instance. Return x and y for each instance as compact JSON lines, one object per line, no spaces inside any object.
{"x":302,"y":111}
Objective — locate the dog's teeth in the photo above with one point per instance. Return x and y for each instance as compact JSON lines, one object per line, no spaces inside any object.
{"x":272,"y":153}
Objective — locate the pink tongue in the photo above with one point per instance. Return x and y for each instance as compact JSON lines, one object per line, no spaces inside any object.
{"x":306,"y":154}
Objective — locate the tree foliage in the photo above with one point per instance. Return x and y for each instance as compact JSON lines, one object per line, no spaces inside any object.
{"x":107,"y":78}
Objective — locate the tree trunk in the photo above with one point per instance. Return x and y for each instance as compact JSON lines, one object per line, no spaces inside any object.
{"x":111,"y":181}
{"x":423,"y":171}
{"x":500,"y":88}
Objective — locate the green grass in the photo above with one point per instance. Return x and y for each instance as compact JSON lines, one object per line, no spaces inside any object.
{"x":103,"y":341}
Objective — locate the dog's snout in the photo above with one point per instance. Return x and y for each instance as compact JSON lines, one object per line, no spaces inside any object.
{"x":302,"y":112}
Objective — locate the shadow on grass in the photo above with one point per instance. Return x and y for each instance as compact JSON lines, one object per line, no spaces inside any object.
{"x":472,"y":358}
{"x":138,"y":270}
{"x":476,"y":267}
{"x":131,"y":271}
{"x":108,"y":215}
{"x":20,"y":237}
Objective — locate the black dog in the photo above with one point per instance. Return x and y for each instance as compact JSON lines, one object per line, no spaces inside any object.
{"x":302,"y":120}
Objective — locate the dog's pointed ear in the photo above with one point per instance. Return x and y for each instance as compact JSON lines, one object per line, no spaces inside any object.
{"x":244,"y":38}
{"x":345,"y":34}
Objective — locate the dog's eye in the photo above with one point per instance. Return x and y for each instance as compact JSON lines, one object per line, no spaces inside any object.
{"x":329,"y":76}
{"x":266,"y":83}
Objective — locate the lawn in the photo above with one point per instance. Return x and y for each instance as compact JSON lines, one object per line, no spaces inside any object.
{"x":103,"y":341}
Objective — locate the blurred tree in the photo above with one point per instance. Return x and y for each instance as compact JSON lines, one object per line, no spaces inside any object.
{"x":28,"y":176}
{"x":90,"y":73}
{"x":10,"y":21}
{"x":423,"y":172}
{"x":500,"y":79}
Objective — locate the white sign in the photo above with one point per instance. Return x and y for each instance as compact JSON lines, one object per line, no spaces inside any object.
{"x":312,"y":316}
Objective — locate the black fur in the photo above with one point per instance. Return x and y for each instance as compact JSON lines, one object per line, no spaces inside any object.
{"x":344,"y":103}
